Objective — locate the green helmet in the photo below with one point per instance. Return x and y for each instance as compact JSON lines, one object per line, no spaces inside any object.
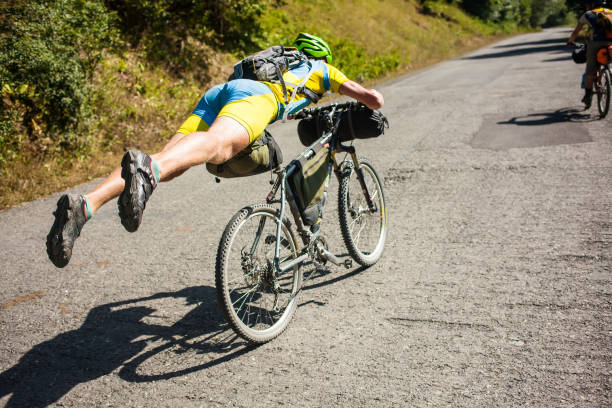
{"x":313,"y":46}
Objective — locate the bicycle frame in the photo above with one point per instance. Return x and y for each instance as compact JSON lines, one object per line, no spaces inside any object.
{"x":287,"y":196}
{"x":257,"y":272}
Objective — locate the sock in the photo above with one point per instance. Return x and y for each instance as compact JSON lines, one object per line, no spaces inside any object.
{"x":156,"y":172}
{"x":87,"y":208}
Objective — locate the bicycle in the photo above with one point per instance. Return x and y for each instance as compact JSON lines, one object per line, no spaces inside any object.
{"x":257,"y":273}
{"x":602,"y":79}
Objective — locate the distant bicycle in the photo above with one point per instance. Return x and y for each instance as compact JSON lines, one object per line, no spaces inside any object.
{"x":257,"y":274}
{"x":602,"y":80}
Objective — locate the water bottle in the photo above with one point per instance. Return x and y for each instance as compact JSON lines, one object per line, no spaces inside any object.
{"x":582,"y":85}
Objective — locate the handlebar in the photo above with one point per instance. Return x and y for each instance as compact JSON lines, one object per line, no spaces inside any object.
{"x":574,"y":44}
{"x":334,"y":107}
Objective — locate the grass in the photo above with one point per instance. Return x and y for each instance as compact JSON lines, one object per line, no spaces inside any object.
{"x":141,"y":105}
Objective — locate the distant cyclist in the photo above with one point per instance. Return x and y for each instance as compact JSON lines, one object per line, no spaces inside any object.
{"x":596,"y":41}
{"x":227,"y":119}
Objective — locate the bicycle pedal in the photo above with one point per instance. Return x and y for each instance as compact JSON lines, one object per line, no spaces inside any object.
{"x":348,"y":263}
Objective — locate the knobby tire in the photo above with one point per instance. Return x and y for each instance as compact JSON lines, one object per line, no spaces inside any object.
{"x":603,"y":93}
{"x":364,"y":233}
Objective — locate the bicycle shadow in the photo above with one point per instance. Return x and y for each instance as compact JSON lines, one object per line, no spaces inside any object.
{"x":111,"y":337}
{"x":559,"y":127}
{"x":569,"y":114}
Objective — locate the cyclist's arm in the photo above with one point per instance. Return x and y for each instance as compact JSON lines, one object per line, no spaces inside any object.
{"x":369,"y":97}
{"x":575,"y":33}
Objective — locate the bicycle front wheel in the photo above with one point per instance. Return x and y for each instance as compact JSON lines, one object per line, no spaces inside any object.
{"x":257,"y":300}
{"x":603,"y":92}
{"x":364,"y":230}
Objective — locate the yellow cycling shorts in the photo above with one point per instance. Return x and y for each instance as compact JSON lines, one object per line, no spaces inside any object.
{"x":250,"y":103}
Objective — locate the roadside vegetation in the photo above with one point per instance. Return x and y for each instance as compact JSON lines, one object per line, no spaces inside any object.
{"x":81,"y":81}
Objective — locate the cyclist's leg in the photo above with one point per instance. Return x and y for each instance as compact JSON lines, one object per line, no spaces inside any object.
{"x":113,"y":185}
{"x":224,"y":138}
{"x":247,"y":108}
{"x":591,"y":66}
{"x":73,"y":211}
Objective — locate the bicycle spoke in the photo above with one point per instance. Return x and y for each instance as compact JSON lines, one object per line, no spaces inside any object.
{"x":245,"y":296}
{"x":363,"y":224}
{"x":246,"y":312}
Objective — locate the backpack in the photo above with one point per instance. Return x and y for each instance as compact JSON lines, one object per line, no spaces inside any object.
{"x":262,"y":155}
{"x":270,"y":64}
{"x":603,"y":19}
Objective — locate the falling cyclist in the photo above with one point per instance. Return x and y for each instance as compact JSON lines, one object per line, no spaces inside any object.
{"x":227,"y":120}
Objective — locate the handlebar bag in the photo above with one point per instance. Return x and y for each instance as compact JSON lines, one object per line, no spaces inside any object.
{"x":309,"y":130}
{"x":358,"y":122}
{"x":579,"y":55}
{"x":361,"y":122}
{"x":262,"y":155}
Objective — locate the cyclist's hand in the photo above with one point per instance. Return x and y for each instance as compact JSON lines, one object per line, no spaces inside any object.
{"x":378,"y":100}
{"x":298,"y":115}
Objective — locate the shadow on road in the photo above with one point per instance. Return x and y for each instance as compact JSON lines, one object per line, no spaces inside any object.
{"x":542,"y":42}
{"x":558,"y":127}
{"x":549,"y":118}
{"x":309,"y":283}
{"x":112,"y":337}
{"x":116,"y":335}
{"x":512,"y":50}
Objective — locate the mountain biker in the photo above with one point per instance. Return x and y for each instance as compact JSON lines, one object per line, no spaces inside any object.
{"x":596,"y":41}
{"x":227,"y":119}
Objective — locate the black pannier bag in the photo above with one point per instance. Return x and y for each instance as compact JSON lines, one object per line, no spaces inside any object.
{"x":359,"y":122}
{"x":262,"y":155}
{"x":579,"y":54}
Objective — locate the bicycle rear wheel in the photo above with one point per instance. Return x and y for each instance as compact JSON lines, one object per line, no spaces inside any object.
{"x":364,"y":231}
{"x":257,"y":301}
{"x":603,"y":92}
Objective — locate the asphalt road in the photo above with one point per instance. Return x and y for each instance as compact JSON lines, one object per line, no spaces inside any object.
{"x":494,"y":289}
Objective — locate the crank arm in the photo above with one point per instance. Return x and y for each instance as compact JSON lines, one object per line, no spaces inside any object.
{"x":336,"y":260}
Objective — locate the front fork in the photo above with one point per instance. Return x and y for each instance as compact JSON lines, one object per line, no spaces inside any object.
{"x":359,"y":171}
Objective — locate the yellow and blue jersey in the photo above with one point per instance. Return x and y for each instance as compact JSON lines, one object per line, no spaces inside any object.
{"x":323,"y":77}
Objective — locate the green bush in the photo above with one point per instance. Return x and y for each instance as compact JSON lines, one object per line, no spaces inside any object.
{"x":48,"y":52}
{"x":162,"y":27}
{"x":353,"y":60}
